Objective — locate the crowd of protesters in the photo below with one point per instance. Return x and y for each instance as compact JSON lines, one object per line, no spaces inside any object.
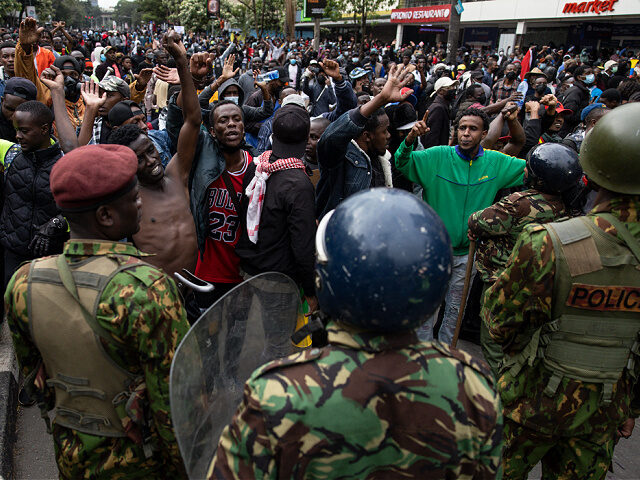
{"x":234,"y":181}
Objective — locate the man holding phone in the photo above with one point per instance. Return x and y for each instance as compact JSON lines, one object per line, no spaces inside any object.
{"x":317,"y":86}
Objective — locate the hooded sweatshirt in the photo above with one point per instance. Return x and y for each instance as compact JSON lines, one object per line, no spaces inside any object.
{"x":251,"y":114}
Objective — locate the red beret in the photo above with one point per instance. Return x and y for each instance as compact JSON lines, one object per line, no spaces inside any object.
{"x":93,"y":175}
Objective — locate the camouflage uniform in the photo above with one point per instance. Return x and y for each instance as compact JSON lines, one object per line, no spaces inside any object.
{"x":497,"y":228}
{"x":366,"y":406}
{"x":572,"y":429}
{"x":142,"y":309}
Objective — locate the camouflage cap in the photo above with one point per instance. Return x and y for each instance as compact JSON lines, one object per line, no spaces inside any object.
{"x":115,"y":84}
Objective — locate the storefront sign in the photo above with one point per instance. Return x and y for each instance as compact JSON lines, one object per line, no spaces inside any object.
{"x":595,"y":6}
{"x":431,"y":14}
{"x":314,"y":8}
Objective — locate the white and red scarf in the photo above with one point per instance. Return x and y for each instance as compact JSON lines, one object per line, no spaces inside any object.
{"x":257,"y":188}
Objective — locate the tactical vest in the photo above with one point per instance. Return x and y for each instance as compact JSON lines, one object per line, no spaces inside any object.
{"x":594,"y":335}
{"x":63,"y":301}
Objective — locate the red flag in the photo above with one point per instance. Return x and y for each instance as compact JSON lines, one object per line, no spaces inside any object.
{"x":525,"y":66}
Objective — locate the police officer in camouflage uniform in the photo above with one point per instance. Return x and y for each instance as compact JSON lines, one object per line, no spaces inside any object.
{"x":553,"y":175}
{"x":376,"y":402}
{"x":566,"y":312}
{"x":95,"y":328}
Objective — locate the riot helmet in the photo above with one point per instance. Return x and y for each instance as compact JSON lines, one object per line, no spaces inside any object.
{"x":553,"y":168}
{"x":610,"y":152}
{"x":384,"y":261}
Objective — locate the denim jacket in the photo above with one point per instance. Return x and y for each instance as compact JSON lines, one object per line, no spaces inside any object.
{"x":344,"y":168}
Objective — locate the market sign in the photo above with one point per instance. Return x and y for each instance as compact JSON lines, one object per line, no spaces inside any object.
{"x":314,"y":8}
{"x":595,"y":6}
{"x":431,"y":14}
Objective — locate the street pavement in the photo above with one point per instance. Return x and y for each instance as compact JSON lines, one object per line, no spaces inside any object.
{"x":34,"y":457}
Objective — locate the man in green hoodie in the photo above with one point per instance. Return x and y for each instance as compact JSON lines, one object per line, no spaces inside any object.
{"x":457,"y":181}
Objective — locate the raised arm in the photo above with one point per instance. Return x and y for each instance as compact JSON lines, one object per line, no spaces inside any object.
{"x":29,"y":36}
{"x":52,"y":77}
{"x":516,"y":131}
{"x":93,"y":101}
{"x":180,"y":164}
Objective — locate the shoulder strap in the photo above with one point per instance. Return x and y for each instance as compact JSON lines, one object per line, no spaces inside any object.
{"x":630,"y":241}
{"x":69,"y":284}
{"x":226,"y":178}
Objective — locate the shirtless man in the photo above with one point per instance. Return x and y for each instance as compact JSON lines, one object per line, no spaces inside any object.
{"x":166,"y":228}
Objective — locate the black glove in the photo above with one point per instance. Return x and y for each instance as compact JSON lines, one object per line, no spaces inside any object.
{"x":50,"y":237}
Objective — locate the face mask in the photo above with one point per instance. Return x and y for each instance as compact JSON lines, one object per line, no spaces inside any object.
{"x":511,"y":75}
{"x":542,"y":66}
{"x":103,"y":58}
{"x":71,"y":89}
{"x":614,"y":69}
{"x":450,"y":95}
{"x":233,"y":99}
{"x":589,"y":79}
{"x":482,"y":99}
{"x":292,"y":61}
{"x":541,"y":89}
{"x":354,"y":59}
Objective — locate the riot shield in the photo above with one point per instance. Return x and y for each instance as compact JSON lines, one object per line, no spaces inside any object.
{"x":249,"y":326}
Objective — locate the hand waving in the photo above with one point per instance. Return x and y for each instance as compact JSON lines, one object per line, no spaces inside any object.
{"x":29,"y":33}
{"x":91,"y":95}
{"x":227,"y":70}
{"x":143,"y":77}
{"x":399,"y":78}
{"x":166,"y":74}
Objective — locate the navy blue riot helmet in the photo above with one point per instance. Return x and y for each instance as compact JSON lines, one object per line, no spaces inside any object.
{"x":384,"y":261}
{"x":553,"y":168}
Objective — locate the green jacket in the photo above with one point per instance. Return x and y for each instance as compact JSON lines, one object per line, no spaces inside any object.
{"x":457,"y":186}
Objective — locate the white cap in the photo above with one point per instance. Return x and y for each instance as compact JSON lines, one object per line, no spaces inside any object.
{"x":443,"y":82}
{"x":609,"y":64}
{"x":294,"y":99}
{"x":439,"y":65}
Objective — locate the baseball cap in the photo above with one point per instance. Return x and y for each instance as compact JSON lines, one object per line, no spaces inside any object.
{"x":115,"y":84}
{"x":106,"y":49}
{"x":21,"y":87}
{"x":443,"y":82}
{"x":294,"y":99}
{"x":123,"y":111}
{"x":283,"y":74}
{"x":290,"y":132}
{"x":560,"y":109}
{"x":610,"y":64}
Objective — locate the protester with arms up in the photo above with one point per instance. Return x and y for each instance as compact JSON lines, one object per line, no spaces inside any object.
{"x":125,"y":327}
{"x":457,"y":181}
{"x":166,"y":225}
{"x":352,"y":153}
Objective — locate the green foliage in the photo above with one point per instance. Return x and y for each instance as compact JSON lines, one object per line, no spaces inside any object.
{"x":127,"y":11}
{"x":158,"y":11}
{"x":258,"y":15}
{"x":7,"y":7}
{"x":193,"y":15}
{"x":73,"y":12}
{"x":44,"y":10}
